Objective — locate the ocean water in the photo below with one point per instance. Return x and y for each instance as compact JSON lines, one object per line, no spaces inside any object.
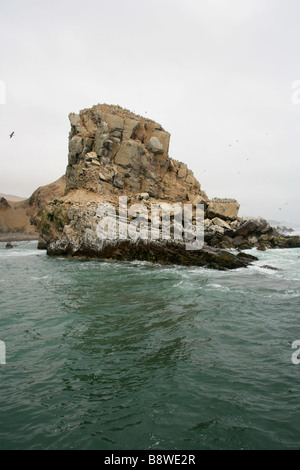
{"x":117,"y":356}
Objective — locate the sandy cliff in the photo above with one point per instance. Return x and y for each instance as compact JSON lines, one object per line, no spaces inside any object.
{"x":20,"y":219}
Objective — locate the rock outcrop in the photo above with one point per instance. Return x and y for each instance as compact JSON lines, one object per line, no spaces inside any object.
{"x":115,"y":154}
{"x":227,"y":209}
{"x":21,"y":219}
{"x":43,"y":196}
{"x":245,"y":233}
{"x":112,"y":150}
{"x":4,"y":204}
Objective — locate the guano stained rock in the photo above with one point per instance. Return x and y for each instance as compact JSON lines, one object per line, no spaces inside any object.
{"x":115,"y":153}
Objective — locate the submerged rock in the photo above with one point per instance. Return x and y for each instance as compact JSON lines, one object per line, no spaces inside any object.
{"x":9,"y":246}
{"x":266,"y":266}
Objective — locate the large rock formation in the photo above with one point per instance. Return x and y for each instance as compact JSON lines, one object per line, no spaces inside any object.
{"x":115,"y":154}
{"x":112,"y":150}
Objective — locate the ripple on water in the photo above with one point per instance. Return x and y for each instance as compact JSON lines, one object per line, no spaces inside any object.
{"x":131,"y":355}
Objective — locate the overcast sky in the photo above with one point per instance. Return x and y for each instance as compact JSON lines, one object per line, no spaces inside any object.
{"x":216,"y":74}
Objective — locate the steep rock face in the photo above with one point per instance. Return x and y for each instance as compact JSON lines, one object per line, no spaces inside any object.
{"x":112,"y":150}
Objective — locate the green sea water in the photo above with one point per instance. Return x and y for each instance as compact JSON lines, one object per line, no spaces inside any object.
{"x":118,"y":356}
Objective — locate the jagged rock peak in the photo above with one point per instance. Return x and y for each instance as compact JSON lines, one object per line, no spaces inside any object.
{"x":112,"y":149}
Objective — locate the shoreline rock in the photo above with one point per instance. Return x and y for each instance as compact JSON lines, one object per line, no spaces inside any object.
{"x":246,"y":233}
{"x":168,"y":253}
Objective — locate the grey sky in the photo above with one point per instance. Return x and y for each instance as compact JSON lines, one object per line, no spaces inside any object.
{"x":216,"y":74}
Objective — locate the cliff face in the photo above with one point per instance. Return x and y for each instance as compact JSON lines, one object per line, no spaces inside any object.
{"x":113,"y":151}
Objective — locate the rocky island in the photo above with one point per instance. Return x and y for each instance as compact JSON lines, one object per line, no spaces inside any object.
{"x":116,"y":155}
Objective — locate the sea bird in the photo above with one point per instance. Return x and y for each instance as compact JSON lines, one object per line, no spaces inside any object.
{"x":10,"y":135}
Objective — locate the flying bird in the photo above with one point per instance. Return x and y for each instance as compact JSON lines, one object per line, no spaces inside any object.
{"x":10,"y":135}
